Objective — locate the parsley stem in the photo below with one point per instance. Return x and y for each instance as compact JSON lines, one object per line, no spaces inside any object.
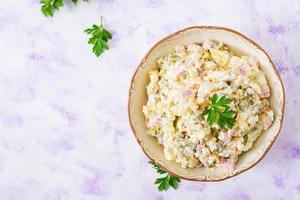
{"x":101,"y":19}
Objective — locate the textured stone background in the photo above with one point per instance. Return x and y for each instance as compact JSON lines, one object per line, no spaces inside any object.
{"x":64,"y":132}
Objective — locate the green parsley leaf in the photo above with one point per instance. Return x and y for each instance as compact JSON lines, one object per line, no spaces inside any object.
{"x":49,"y":6}
{"x":99,"y":38}
{"x":219,"y":112}
{"x":158,"y":170}
{"x":165,"y":182}
{"x":76,"y":1}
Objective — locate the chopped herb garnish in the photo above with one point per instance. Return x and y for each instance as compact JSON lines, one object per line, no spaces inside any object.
{"x":245,"y":139}
{"x":219,"y":112}
{"x":213,"y":164}
{"x":165,"y":182}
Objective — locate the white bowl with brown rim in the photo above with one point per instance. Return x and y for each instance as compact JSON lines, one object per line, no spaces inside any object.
{"x":241,"y":45}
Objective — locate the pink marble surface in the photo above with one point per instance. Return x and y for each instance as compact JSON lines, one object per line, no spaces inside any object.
{"x":64,"y":132}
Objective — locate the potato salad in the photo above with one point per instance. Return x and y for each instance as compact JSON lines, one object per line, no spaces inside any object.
{"x":184,"y":107}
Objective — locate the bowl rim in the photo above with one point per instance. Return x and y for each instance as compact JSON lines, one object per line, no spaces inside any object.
{"x":210,"y":28}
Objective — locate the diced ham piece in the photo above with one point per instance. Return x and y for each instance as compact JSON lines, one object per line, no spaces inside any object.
{"x":207,"y":44}
{"x":179,"y":49}
{"x":154,"y":122}
{"x":265,"y":92}
{"x":267,"y":118}
{"x":225,"y":137}
{"x":192,"y":47}
{"x":228,"y":164}
{"x":186,"y":93}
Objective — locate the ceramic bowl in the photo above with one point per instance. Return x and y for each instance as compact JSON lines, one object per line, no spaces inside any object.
{"x":241,"y":45}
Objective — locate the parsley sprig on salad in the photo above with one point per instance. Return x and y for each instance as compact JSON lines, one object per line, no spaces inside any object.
{"x":166,"y":181}
{"x":219,"y":112}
